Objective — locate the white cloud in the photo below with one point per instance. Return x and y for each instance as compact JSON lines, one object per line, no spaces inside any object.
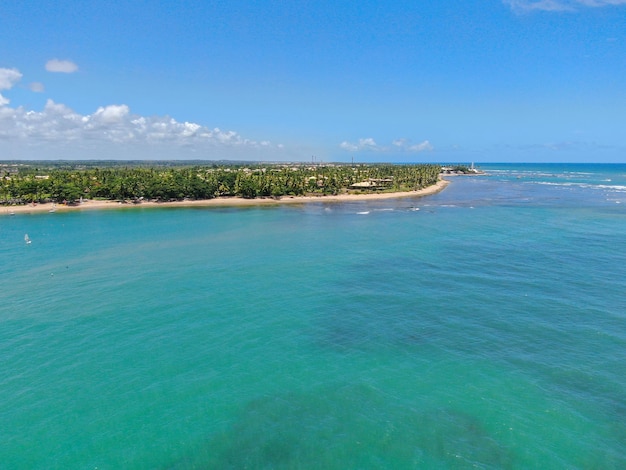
{"x":114,"y":132}
{"x":110,"y":114}
{"x":407,"y":146}
{"x":62,"y":66}
{"x":362,"y":144}
{"x":37,"y":87}
{"x":8,"y":78}
{"x":558,"y":5}
{"x":348,"y":146}
{"x":370,"y":144}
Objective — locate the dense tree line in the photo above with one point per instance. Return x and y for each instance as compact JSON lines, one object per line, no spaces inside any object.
{"x":30,"y":183}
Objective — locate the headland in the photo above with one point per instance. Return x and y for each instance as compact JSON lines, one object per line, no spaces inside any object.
{"x":90,"y":204}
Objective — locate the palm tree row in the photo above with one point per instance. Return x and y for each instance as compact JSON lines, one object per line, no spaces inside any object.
{"x":30,"y":184}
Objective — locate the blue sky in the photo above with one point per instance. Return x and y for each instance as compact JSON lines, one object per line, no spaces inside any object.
{"x":450,"y":81}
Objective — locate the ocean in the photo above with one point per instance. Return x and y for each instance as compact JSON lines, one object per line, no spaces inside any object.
{"x":481,"y":327}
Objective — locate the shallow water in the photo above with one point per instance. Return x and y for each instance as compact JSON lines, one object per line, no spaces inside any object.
{"x":480,"y":327}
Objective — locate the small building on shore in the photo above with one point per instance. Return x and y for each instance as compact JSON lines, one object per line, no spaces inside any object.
{"x":460,"y":170}
{"x":373,"y":184}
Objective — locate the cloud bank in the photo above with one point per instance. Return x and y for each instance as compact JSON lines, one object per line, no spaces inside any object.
{"x":398,"y":145}
{"x":115,"y":127}
{"x":61,"y":66}
{"x":8,"y":78}
{"x":559,"y":5}
{"x":112,"y":132}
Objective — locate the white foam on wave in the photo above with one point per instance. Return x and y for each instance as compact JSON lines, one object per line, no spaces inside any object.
{"x":615,"y":187}
{"x":610,"y":187}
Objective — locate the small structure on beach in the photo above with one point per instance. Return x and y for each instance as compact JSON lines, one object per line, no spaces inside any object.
{"x":461,"y":170}
{"x":363,"y":185}
{"x":373,"y":183}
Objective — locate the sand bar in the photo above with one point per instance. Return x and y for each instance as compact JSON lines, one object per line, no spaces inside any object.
{"x":218,"y":202}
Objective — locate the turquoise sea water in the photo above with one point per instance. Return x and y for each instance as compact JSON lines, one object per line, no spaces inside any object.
{"x":482,"y":327}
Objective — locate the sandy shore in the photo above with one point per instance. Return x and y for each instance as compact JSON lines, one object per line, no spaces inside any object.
{"x":218,"y":202}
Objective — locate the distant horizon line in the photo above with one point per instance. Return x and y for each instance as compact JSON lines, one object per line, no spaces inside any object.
{"x":287,"y":162}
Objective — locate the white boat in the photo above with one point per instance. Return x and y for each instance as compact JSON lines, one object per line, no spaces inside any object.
{"x":27,"y":239}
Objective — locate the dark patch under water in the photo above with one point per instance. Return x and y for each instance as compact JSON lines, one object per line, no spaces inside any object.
{"x":348,"y":427}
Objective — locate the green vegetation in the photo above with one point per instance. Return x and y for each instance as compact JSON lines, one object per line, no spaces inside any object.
{"x":26,"y":182}
{"x":461,"y":170}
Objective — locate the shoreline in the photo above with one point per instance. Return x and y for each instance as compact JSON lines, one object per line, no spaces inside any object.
{"x":219,"y":202}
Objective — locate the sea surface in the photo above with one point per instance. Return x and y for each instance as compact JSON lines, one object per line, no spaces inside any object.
{"x":481,"y":327}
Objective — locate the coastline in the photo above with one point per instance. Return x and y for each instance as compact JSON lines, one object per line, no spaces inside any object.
{"x":220,"y":202}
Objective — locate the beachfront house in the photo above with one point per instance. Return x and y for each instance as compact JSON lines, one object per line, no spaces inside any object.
{"x":373,"y":184}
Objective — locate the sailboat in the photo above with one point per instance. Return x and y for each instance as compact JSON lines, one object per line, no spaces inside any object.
{"x":27,"y":239}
